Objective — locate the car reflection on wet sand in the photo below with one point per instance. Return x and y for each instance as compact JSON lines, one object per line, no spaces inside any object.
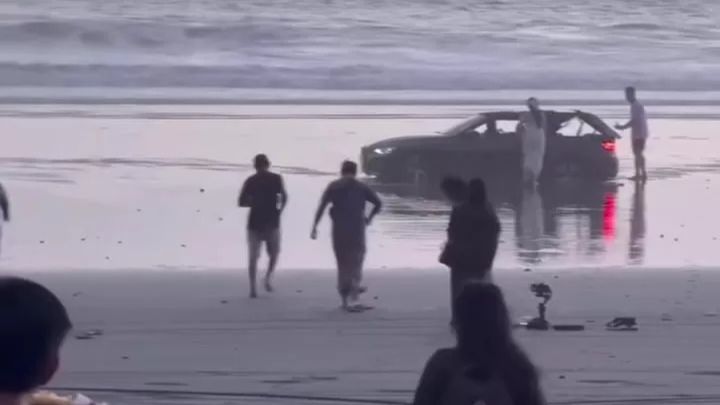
{"x":557,"y":219}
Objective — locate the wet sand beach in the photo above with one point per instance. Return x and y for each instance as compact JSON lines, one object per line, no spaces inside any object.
{"x":128,"y":212}
{"x":128,"y":127}
{"x":179,"y":337}
{"x":155,"y":187}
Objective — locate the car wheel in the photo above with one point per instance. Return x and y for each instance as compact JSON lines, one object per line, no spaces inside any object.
{"x":393,"y":173}
{"x":415,"y":170}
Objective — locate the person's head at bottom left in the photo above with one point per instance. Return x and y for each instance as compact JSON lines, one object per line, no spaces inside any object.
{"x":33,"y":327}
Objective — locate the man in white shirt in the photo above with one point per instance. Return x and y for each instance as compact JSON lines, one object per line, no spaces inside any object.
{"x":638,"y":131}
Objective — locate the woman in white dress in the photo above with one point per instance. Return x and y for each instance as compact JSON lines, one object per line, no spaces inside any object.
{"x":532,"y":132}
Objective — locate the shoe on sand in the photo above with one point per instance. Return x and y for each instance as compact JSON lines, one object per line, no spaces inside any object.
{"x":626,"y":324}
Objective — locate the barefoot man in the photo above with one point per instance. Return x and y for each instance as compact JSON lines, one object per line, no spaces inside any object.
{"x":264,"y":193}
{"x":638,"y":132}
{"x":348,"y":197}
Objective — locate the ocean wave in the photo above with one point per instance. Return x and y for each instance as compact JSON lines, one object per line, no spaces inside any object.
{"x":146,"y":34}
{"x":636,"y":26}
{"x":348,"y":77}
{"x":399,"y":44}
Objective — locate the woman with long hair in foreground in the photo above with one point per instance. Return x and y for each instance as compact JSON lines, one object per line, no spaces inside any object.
{"x":487,"y":365}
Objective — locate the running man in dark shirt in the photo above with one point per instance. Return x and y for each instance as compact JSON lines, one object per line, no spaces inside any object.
{"x":264,"y":193}
{"x":348,"y":197}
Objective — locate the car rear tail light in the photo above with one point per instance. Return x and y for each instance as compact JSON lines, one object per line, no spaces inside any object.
{"x":608,"y":146}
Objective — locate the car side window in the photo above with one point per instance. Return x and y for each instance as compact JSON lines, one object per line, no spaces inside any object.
{"x":574,"y":127}
{"x":478,"y":131}
{"x":507,"y":126}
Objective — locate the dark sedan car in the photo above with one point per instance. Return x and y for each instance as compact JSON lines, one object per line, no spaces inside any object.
{"x":579,"y":144}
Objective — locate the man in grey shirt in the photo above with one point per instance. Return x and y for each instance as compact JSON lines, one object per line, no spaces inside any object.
{"x":348,"y":197}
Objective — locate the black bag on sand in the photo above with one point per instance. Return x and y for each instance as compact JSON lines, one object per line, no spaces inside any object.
{"x":472,"y":386}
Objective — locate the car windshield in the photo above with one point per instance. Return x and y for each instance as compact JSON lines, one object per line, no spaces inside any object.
{"x":470,"y":123}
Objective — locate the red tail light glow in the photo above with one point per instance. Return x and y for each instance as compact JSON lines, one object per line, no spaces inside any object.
{"x":608,"y":146}
{"x":609,"y":213}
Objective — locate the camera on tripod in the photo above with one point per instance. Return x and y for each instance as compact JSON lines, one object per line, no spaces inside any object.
{"x":542,"y":290}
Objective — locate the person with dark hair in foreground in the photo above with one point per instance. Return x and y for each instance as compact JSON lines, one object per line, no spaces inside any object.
{"x":348,"y":197}
{"x":472,"y":238}
{"x":5,"y":208}
{"x":33,"y":326}
{"x":486,"y":366}
{"x":264,"y":193}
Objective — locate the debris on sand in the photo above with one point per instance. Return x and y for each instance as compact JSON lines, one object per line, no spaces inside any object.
{"x":666,"y":318}
{"x":622,"y":324}
{"x":89,"y":334}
